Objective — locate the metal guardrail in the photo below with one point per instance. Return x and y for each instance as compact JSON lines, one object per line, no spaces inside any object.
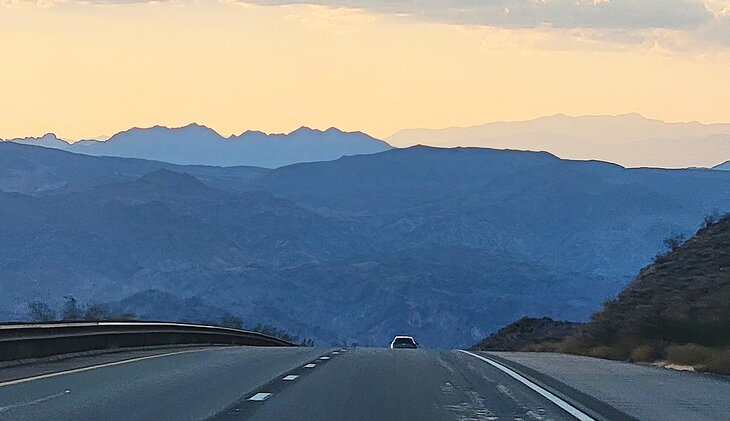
{"x":29,"y":341}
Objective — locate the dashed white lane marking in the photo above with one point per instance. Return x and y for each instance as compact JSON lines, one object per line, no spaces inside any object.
{"x":577,"y":413}
{"x":335,"y":353}
{"x":291,"y":377}
{"x":259,"y":397}
{"x":310,"y":365}
{"x":324,"y":358}
{"x":94,"y":367}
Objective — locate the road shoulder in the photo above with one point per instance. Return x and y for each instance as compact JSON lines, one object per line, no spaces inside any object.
{"x":14,"y":370}
{"x":641,"y":391}
{"x":592,"y":406}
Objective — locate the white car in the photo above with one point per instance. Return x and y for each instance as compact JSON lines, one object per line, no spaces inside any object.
{"x":403,"y":342}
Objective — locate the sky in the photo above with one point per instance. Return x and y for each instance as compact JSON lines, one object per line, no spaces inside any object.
{"x":91,"y":68}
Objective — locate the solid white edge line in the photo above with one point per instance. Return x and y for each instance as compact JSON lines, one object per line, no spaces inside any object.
{"x":577,"y":413}
{"x":94,"y":367}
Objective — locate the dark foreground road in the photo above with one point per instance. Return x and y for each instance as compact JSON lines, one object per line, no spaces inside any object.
{"x":281,"y":384}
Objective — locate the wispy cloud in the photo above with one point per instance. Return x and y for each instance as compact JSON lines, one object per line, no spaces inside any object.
{"x":604,"y":14}
{"x":26,"y":4}
{"x":599,"y":14}
{"x":690,"y":25}
{"x":671,"y":25}
{"x":630,"y":14}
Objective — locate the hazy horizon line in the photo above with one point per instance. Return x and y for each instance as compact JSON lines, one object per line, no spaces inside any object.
{"x":103,"y":138}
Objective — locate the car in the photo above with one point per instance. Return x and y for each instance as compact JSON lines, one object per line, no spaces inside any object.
{"x":403,"y":342}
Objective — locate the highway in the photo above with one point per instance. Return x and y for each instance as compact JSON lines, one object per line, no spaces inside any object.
{"x":187,"y":384}
{"x":221,"y":383}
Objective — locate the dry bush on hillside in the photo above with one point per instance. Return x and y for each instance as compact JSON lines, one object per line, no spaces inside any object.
{"x":719,"y":362}
{"x":577,"y":345}
{"x":643,"y":353}
{"x":547,"y":346}
{"x":689,"y":354}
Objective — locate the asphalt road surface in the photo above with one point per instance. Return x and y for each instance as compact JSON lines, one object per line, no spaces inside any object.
{"x":644,"y":392}
{"x":287,"y":384}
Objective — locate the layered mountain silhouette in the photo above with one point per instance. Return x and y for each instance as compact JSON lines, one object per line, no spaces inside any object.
{"x":199,"y":145}
{"x":630,"y":139}
{"x":35,"y":170}
{"x":446,"y":244}
{"x":724,"y":166}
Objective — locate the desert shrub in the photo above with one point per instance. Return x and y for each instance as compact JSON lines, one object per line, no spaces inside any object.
{"x":643,"y":353}
{"x":71,"y":310}
{"x":689,"y":354}
{"x":41,"y":312}
{"x":712,"y":218}
{"x":125,"y":316}
{"x":233,"y":322}
{"x":577,"y":345}
{"x":609,"y":352}
{"x":546,"y":346}
{"x":674,"y":241}
{"x":719,"y":362}
{"x":620,"y":349}
{"x":97,"y":312}
{"x":282,"y":334}
{"x":689,"y":330}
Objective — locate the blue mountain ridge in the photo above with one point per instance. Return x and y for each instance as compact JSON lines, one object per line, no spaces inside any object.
{"x":447,"y":244}
{"x":195,"y":144}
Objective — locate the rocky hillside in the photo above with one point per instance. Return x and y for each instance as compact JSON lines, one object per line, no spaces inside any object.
{"x":677,"y":311}
{"x":683,"y":297}
{"x":528,"y":334}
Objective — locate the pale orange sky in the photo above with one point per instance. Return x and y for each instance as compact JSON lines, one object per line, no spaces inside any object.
{"x":83,"y":70}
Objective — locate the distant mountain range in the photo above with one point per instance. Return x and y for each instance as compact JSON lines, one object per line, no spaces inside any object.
{"x":445,"y":244}
{"x":200,"y":145}
{"x":629,"y":140}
